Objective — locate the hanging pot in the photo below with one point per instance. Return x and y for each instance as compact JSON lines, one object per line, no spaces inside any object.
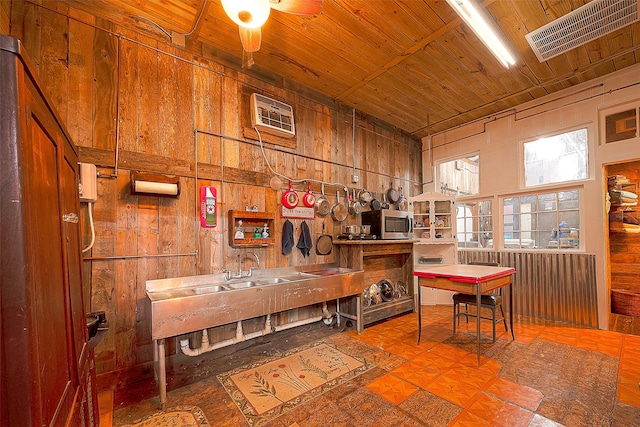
{"x":323,"y":207}
{"x":339,"y":211}
{"x":402,"y":203}
{"x":290,"y":198}
{"x":309,"y":199}
{"x":385,"y":203}
{"x":364,"y":197}
{"x":354,"y":207}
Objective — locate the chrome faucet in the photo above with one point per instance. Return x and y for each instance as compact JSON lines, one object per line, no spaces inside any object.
{"x":228,"y":275}
{"x":257,"y":260}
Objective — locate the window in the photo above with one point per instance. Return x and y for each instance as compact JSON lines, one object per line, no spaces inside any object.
{"x":460,"y":177}
{"x":474,"y":225}
{"x":542,"y":221}
{"x":555,"y":159}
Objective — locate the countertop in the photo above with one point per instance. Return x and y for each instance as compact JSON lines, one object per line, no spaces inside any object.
{"x":373,"y":242}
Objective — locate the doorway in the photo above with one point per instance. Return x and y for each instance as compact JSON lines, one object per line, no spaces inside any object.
{"x":623,"y":186}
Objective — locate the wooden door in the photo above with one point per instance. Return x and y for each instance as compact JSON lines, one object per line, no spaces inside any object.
{"x":52,"y":332}
{"x":44,"y":355}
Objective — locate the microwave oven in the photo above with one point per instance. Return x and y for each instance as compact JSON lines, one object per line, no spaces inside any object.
{"x":389,"y":224}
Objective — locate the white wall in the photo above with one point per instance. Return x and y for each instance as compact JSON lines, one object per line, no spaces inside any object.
{"x":498,"y":140}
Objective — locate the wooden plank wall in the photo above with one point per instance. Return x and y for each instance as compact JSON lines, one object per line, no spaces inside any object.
{"x":5,"y":11}
{"x":133,"y":97}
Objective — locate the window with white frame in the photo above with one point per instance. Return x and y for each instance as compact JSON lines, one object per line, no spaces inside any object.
{"x":460,"y":177}
{"x":548,"y":220}
{"x":558,"y":158}
{"x":474,"y":225}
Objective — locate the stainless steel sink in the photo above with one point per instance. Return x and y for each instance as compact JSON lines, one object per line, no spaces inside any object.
{"x":241,"y":285}
{"x":297,"y":276}
{"x":186,"y":304}
{"x":273,"y":280}
{"x":209,"y":289}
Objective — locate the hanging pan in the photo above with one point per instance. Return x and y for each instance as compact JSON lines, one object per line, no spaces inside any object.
{"x":290,"y":197}
{"x":309,"y":199}
{"x":323,"y":207}
{"x":375,"y":203}
{"x":392,"y":195}
{"x":354,"y":206}
{"x":324,"y":243}
{"x":339,"y":211}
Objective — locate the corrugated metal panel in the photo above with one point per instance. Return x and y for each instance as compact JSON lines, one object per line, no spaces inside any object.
{"x":549,"y":286}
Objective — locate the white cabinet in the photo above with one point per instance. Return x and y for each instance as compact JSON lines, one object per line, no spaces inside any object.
{"x":434,"y":228}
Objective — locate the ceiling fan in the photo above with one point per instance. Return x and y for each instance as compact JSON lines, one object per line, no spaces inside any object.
{"x":250,"y":15}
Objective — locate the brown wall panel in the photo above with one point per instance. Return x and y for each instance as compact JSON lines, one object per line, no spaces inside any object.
{"x":131,"y":96}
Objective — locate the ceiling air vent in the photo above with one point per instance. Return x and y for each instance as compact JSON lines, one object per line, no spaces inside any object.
{"x":593,"y":20}
{"x":272,"y":116}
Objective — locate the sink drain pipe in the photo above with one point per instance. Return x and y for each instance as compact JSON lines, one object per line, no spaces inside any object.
{"x":206,"y":346}
{"x":327,"y":317}
{"x":297,"y":323}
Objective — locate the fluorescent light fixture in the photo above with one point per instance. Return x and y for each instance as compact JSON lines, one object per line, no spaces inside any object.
{"x":150,"y":184}
{"x":247,"y":13}
{"x":467,"y":10}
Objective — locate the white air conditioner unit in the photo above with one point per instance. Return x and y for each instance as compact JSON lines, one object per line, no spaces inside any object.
{"x":272,"y":116}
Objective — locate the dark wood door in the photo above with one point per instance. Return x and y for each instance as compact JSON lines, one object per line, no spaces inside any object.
{"x":53,"y":334}
{"x":44,"y":361}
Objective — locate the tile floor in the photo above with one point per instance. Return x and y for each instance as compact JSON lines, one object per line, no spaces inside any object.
{"x":551,"y":375}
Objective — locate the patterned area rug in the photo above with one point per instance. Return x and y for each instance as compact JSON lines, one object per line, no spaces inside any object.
{"x":180,"y":416}
{"x":264,"y":390}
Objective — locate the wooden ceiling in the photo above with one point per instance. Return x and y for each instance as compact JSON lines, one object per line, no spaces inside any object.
{"x":413,"y":64}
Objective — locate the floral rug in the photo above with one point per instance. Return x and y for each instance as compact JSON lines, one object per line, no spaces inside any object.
{"x":180,"y":416}
{"x":267,"y":389}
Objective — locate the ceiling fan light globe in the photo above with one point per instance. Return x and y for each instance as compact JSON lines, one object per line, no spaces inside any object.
{"x":247,"y":13}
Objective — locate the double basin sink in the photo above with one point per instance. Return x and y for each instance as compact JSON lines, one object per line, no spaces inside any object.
{"x":244,"y":284}
{"x":186,"y":304}
{"x":188,"y":286}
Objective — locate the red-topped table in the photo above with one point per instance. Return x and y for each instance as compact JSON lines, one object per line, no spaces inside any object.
{"x":469,"y":279}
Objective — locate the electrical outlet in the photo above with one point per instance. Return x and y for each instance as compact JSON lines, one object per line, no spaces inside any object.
{"x":355,"y":178}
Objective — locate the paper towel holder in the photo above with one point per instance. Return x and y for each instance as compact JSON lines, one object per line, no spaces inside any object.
{"x":152,"y":184}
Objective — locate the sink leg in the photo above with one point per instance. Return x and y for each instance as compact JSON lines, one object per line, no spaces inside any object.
{"x":267,"y":325}
{"x":155,"y":360}
{"x":162,"y":374}
{"x":359,"y":326}
{"x":239,"y":333}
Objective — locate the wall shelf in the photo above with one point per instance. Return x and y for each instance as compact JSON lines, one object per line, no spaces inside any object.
{"x":250,"y":221}
{"x":620,"y":212}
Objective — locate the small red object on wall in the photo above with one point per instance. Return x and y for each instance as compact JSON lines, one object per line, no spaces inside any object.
{"x":208,"y":207}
